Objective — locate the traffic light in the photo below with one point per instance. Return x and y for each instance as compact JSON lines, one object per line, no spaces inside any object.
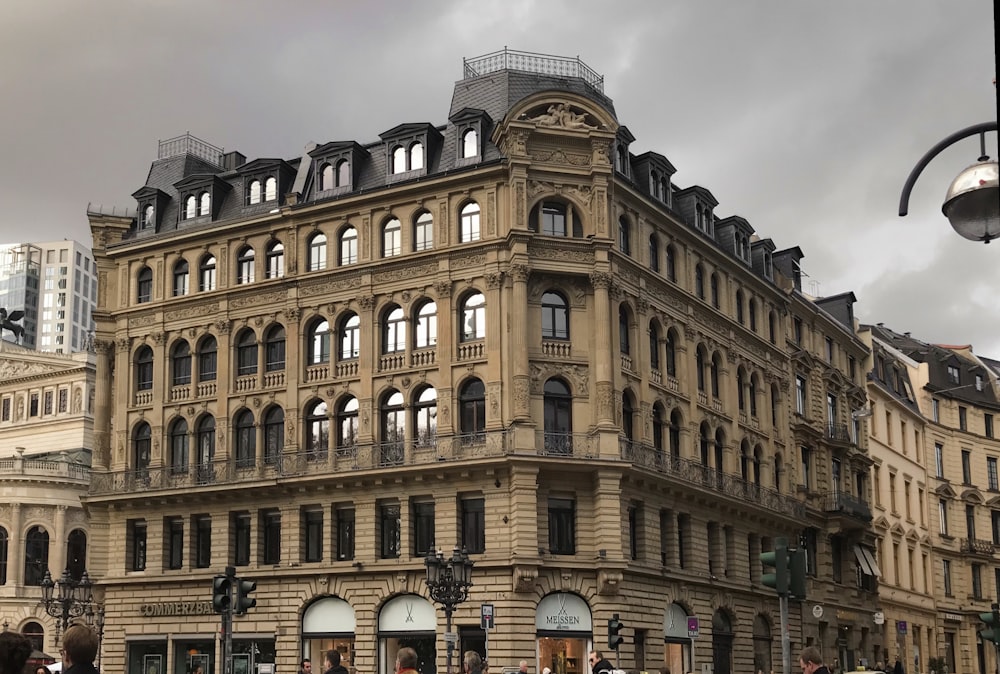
{"x":222,"y":593}
{"x":992,"y":621}
{"x":797,"y":574}
{"x":614,"y":627}
{"x":777,"y":559}
{"x":243,"y":600}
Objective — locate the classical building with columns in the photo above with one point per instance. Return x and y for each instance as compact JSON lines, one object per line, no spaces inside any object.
{"x":510,"y":332}
{"x":46,"y":425}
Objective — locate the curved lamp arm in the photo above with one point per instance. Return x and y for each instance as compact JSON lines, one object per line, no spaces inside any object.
{"x":904,"y":199}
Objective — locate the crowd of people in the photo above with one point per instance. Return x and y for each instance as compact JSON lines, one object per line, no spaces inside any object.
{"x":79,"y":650}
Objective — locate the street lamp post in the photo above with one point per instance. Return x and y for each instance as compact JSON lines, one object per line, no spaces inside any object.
{"x":96,"y":618}
{"x":972,"y":204}
{"x":67,"y":599}
{"x":448,"y":581}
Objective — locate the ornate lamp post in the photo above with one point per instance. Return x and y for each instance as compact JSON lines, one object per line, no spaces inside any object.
{"x":66,"y":598}
{"x":448,"y":581}
{"x":972,"y":203}
{"x":96,"y":618}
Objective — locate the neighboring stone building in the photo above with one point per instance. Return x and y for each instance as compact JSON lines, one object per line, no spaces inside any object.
{"x":957,"y":395}
{"x":899,"y":483}
{"x":507,"y":332}
{"x":46,"y":427}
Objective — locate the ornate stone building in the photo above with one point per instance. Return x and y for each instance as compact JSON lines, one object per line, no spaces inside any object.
{"x":509,"y":332}
{"x":45,"y":440}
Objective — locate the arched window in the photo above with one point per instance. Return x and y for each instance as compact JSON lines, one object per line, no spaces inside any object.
{"x":270,"y":189}
{"x":740,"y":384}
{"x":205,"y":436}
{"x":348,"y":247}
{"x":394,"y":330}
{"x":190,"y":207}
{"x":350,"y":337}
{"x":148,"y":217}
{"x":275,"y":260}
{"x":659,"y":428}
{"x":555,"y":316}
{"x":671,"y":266}
{"x":244,"y":439}
{"x":700,"y":364}
{"x":473,"y":324}
{"x":326,"y":177}
{"x":558,"y":417}
{"x":179,"y":451}
{"x":399,"y":159}
{"x":254,"y":192}
{"x":715,"y":290}
{"x":392,"y":428}
{"x":274,"y":434}
{"x":739,"y":307}
{"x":181,"y":278}
{"x":141,"y":445}
{"x":180,"y":364}
{"x":654,"y":253}
{"x":754,"y":386}
{"x":317,"y":430}
{"x":469,"y":219}
{"x":671,"y":349}
{"x":470,"y":143}
{"x":704,"y":451}
{"x":274,"y":349}
{"x":246,"y":353}
{"x":318,"y":342}
{"x":425,"y":417}
{"x":675,"y":433}
{"x":343,"y":173}
{"x":624,"y":340}
{"x":208,"y":363}
{"x":143,"y":369}
{"x":317,"y":251}
{"x":699,"y":281}
{"x":423,"y":232}
{"x":654,"y":346}
{"x":752,"y":312}
{"x":472,"y":409}
{"x":392,"y":241}
{"x":206,"y":274}
{"x":76,"y":553}
{"x":624,"y":235}
{"x":416,"y":156}
{"x":553,"y":217}
{"x":745,"y":460}
{"x":205,"y":204}
{"x":144,"y":286}
{"x":347,"y":424}
{"x":4,"y":551}
{"x":771,"y":328}
{"x":426,"y":332}
{"x":245,"y":266}
{"x":778,"y":472}
{"x":716,"y":367}
{"x":628,"y":416}
{"x":36,"y":556}
{"x":720,"y":444}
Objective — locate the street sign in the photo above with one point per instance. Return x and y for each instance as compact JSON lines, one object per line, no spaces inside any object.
{"x":693,"y":627}
{"x":486,"y":617}
{"x":451,"y":637}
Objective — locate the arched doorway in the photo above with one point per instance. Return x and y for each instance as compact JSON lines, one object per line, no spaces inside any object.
{"x":408,"y":620}
{"x":565,"y":630}
{"x":328,"y":624}
{"x":677,"y":643}
{"x":761,"y":644}
{"x":722,"y":643}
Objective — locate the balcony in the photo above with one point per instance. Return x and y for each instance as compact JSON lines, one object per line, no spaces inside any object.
{"x":839,"y":433}
{"x":854,"y":512}
{"x":978,"y":546}
{"x":706,"y":477}
{"x":575,"y":445}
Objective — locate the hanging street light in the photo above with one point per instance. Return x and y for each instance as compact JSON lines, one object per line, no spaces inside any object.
{"x":67,"y":598}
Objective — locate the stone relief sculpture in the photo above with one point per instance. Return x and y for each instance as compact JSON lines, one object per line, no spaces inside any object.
{"x":559,"y":114}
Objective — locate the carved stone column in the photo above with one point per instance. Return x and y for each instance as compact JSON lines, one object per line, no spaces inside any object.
{"x":15,"y":569}
{"x":57,"y":547}
{"x":102,"y":403}
{"x":519,"y":341}
{"x":602,"y":328}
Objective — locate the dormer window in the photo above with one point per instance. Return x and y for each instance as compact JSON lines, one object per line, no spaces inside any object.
{"x":254,"y":193}
{"x":416,"y":156}
{"x":404,"y":159}
{"x":333,"y":176}
{"x":270,"y":189}
{"x":197,"y":205}
{"x":205,"y":203}
{"x":190,"y":207}
{"x":470,"y":144}
{"x":148,"y":217}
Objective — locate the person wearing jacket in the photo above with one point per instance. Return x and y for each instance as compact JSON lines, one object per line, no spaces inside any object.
{"x":332,"y":663}
{"x":79,"y":650}
{"x":598,"y":665}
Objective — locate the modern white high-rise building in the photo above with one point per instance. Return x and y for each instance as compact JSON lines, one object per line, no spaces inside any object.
{"x":55,"y":285}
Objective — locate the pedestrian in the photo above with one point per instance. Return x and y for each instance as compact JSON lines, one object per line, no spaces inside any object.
{"x":598,"y":664}
{"x":472,"y":663}
{"x":42,"y":669}
{"x":306,"y":666}
{"x":406,"y":660}
{"x":898,"y":667}
{"x":332,"y":663}
{"x":79,"y":650}
{"x":522,"y":667}
{"x":811,"y":661}
{"x":15,"y":649}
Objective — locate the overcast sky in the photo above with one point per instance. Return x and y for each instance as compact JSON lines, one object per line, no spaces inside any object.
{"x":804,"y":117}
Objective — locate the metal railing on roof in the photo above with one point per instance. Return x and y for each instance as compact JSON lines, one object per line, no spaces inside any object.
{"x":188,"y":144}
{"x":543,"y":64}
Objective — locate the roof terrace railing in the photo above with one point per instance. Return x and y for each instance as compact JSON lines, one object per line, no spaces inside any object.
{"x":188,"y":144}
{"x":543,"y":64}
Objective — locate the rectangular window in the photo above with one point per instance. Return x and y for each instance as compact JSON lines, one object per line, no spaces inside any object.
{"x":63,"y":401}
{"x":943,"y":516}
{"x":422,"y":517}
{"x":47,"y":403}
{"x":667,"y":538}
{"x":991,"y":473}
{"x":173,"y":529}
{"x":966,"y":467}
{"x":995,"y":521}
{"x":683,"y":537}
{"x":800,"y":394}
{"x":946,"y":574}
{"x":936,"y":410}
{"x":988,"y":425}
{"x":837,"y":559}
{"x":977,"y":581}
{"x":939,"y":460}
{"x":634,"y":533}
{"x":953,"y":375}
{"x":270,"y":527}
{"x":5,"y":410}
{"x":829,"y":349}
{"x":33,"y":405}
{"x":239,"y":525}
{"x":345,"y":533}
{"x":388,"y":530}
{"x":135,"y":541}
{"x":473,"y":525}
{"x":806,"y":467}
{"x":963,"y":418}
{"x":892,"y":493}
{"x":970,"y":522}
{"x":920,"y":505}
{"x":877,"y":484}
{"x":562,"y":526}
{"x":201,"y":526}
{"x":797,"y":331}
{"x":312,"y":535}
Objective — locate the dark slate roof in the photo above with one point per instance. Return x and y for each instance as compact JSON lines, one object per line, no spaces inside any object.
{"x":892,"y":376}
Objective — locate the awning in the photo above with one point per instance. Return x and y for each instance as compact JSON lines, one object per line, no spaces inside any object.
{"x":866,"y":568}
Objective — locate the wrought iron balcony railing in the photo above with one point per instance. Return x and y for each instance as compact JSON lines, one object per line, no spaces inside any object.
{"x":978,"y":546}
{"x":839,"y":432}
{"x":843,"y":502}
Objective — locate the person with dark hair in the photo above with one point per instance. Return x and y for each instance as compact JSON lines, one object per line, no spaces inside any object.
{"x":811,"y":661}
{"x":79,"y":650}
{"x":42,"y":669}
{"x":598,"y":664}
{"x":306,"y":666}
{"x":332,"y":663}
{"x":15,"y":649}
{"x":406,"y":660}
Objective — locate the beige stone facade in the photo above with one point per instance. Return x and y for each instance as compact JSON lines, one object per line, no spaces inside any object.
{"x":604,"y":414}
